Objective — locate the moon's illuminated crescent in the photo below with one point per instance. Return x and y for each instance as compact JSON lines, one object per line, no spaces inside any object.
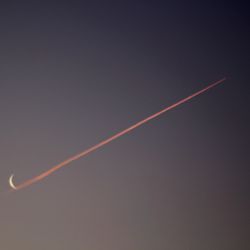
{"x":11,"y":182}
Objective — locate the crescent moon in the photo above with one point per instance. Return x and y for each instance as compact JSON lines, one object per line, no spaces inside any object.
{"x":11,"y":182}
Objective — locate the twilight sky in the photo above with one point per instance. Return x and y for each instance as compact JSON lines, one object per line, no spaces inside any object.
{"x":75,"y":73}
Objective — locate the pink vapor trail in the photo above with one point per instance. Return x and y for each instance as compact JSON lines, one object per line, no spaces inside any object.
{"x":110,"y":139}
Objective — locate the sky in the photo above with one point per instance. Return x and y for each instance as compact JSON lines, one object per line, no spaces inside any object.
{"x":76,"y":72}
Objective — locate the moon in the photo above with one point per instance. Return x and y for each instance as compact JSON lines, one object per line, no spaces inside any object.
{"x":11,"y":182}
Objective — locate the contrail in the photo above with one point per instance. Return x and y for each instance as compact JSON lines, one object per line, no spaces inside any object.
{"x":108,"y":140}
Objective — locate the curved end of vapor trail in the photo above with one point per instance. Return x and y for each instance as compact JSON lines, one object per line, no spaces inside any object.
{"x":108,"y":140}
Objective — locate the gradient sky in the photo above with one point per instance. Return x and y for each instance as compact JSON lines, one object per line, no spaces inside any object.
{"x":75,"y":73}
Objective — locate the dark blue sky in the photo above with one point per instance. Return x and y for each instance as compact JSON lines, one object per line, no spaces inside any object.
{"x":74,"y":73}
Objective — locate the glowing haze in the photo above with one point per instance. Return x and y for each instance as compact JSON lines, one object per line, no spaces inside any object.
{"x":108,"y":140}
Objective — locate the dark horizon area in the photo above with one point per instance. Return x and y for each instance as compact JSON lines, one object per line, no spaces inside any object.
{"x":76,"y":72}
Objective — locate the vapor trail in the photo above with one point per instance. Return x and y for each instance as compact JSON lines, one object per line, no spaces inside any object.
{"x":108,"y":140}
